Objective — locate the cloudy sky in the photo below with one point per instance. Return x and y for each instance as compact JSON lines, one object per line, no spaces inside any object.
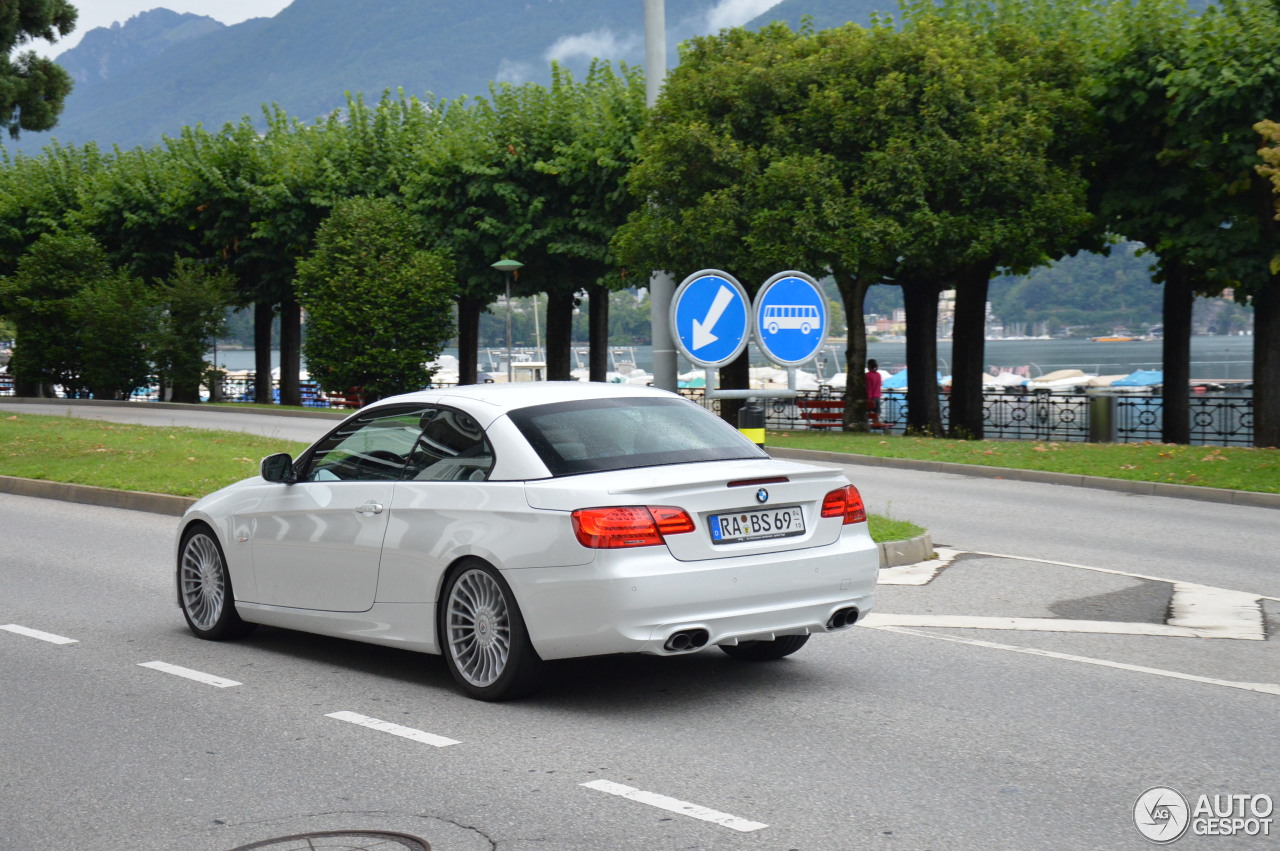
{"x":103,"y":13}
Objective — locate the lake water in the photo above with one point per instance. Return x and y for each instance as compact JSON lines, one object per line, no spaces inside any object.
{"x":1212,"y":358}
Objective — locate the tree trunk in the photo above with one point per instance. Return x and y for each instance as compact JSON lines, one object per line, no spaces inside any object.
{"x":920,"y":297}
{"x":968,"y":352}
{"x":469,"y":311}
{"x":1176,"y":349}
{"x":187,"y":392}
{"x":559,"y":335}
{"x":290,"y":351}
{"x":598,"y":331}
{"x":22,"y":385}
{"x":1266,"y":365}
{"x":263,"y":315}
{"x":853,"y":292}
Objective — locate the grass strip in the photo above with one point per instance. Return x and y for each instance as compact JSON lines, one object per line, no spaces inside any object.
{"x":1230,"y":468}
{"x":180,"y":461}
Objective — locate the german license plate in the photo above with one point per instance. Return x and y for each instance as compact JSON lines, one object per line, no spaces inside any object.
{"x":756,"y":524}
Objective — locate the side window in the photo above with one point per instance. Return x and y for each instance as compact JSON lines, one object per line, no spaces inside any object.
{"x":450,"y":448}
{"x":372,"y":447}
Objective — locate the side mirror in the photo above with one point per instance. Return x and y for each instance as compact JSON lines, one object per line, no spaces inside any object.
{"x":278,"y":468}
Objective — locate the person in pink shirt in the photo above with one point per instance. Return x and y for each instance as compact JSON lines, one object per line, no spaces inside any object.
{"x":873,"y":394}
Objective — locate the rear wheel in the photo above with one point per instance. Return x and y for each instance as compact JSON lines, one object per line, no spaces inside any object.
{"x":204,"y":588}
{"x":483,"y":637}
{"x":764,"y":651}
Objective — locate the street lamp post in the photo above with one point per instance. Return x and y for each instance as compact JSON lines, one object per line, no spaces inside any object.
{"x":512,"y":266}
{"x":662,"y":286}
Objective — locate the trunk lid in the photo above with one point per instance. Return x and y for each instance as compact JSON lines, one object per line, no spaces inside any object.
{"x":729,"y":490}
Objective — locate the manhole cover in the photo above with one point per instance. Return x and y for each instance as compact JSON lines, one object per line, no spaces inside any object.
{"x":341,"y":840}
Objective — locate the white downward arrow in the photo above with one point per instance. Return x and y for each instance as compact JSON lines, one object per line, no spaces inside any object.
{"x":702,"y":335}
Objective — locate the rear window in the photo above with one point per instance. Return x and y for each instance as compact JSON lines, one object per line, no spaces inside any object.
{"x":594,"y":435}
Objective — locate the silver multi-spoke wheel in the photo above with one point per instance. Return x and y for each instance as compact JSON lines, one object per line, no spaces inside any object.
{"x":204,"y":587}
{"x":478,"y":628}
{"x":202,"y":578}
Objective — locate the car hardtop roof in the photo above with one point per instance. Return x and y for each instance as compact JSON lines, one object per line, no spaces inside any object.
{"x":522,"y":394}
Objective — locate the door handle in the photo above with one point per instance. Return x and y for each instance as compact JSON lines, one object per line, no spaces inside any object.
{"x":370,"y":508}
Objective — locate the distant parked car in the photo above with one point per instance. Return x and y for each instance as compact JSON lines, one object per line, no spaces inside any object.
{"x":503,"y":525}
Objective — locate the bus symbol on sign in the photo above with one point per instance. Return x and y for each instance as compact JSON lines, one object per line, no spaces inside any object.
{"x":790,"y":318}
{"x":802,"y":317}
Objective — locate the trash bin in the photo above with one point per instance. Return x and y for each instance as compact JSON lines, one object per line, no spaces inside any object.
{"x":751,"y":421}
{"x":1102,"y":418}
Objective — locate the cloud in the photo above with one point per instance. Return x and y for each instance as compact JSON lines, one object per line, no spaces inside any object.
{"x":598,"y":44}
{"x":516,"y":73}
{"x":734,"y":13}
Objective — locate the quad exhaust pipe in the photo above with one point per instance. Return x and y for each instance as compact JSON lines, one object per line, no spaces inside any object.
{"x":686,"y":641}
{"x":843,"y":618}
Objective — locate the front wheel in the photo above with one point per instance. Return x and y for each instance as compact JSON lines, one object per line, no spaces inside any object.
{"x":483,"y":637}
{"x":204,"y":588}
{"x":765,"y":651}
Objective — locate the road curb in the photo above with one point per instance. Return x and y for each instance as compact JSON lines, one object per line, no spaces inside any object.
{"x":899,"y":553}
{"x":177,"y":406}
{"x":1220,"y":495}
{"x":155,"y":503}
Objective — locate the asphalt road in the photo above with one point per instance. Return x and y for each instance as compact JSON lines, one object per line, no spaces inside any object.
{"x":1093,"y":666}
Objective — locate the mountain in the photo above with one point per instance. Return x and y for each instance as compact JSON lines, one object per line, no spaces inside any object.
{"x":159,"y":75}
{"x":825,"y":13}
{"x":108,"y":52}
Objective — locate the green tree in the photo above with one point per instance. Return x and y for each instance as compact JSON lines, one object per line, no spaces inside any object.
{"x":924,"y":157}
{"x":1180,"y":96}
{"x":191,"y":309}
{"x":378,"y":304}
{"x":255,"y":200}
{"x":38,"y":196}
{"x":996,"y":181}
{"x":32,"y":88}
{"x":461,"y":196}
{"x":111,"y":317}
{"x":592,"y":147}
{"x":1270,"y":167}
{"x":731,"y":179}
{"x":80,"y":323}
{"x":533,"y":173}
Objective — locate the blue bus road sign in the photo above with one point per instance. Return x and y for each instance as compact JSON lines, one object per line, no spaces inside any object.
{"x":790,"y":318}
{"x":709,"y":318}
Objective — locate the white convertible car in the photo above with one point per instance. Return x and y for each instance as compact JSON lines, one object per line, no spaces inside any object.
{"x":503,"y":525}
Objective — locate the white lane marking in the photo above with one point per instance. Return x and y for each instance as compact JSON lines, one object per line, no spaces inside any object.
{"x":198,"y":676}
{"x":35,"y":633}
{"x":1101,"y":570}
{"x":920,"y":573}
{"x":394,"y":729}
{"x":882,"y":619}
{"x":879,"y":619}
{"x":672,"y":805}
{"x":1263,"y":688}
{"x":1217,"y":612}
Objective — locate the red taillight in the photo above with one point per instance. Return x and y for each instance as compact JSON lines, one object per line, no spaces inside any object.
{"x":620,"y":526}
{"x":845,"y":502}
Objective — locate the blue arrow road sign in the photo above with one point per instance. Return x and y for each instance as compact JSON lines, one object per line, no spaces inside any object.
{"x":790,"y":318}
{"x":709,"y":317}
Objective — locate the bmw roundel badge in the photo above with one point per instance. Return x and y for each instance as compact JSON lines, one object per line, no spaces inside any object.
{"x":762,"y":495}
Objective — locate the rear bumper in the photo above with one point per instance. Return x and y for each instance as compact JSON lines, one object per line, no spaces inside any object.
{"x":632,"y":601}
